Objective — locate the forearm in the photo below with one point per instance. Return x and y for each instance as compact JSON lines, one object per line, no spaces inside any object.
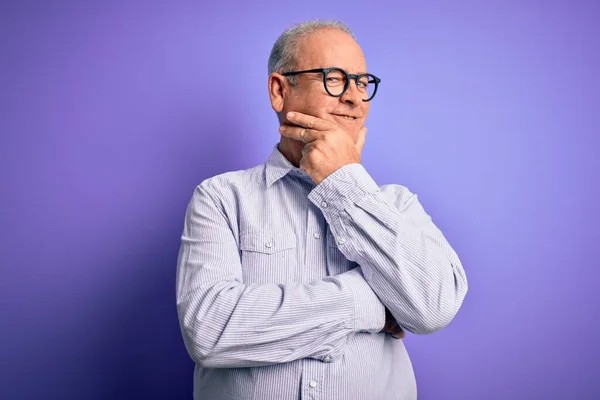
{"x":227,"y":323}
{"x":422,"y":287}
{"x":405,"y":258}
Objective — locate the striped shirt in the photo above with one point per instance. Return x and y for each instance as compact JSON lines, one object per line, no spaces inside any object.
{"x":282,"y":284}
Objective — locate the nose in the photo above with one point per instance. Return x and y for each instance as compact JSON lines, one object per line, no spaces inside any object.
{"x":351,"y":96}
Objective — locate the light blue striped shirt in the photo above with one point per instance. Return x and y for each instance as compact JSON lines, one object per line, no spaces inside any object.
{"x":282,"y":284}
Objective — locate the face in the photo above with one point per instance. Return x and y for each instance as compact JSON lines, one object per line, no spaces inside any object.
{"x":323,"y":49}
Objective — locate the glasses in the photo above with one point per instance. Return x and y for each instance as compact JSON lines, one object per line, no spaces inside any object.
{"x":337,"y":81}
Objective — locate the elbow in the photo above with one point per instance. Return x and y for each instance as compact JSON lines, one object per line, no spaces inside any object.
{"x":202,"y":331}
{"x":199,"y":344}
{"x":430,"y":317}
{"x":433,"y":321}
{"x":435,"y":312}
{"x":200,"y":352}
{"x":203,"y":357}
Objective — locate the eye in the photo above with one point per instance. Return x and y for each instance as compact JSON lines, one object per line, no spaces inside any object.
{"x":335,"y":77}
{"x":363,"y":82}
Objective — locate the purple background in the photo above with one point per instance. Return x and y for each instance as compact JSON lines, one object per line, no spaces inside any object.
{"x":111,"y":113}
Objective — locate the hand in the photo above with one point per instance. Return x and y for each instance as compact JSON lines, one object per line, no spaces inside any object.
{"x":392,"y":327}
{"x":327,"y":146}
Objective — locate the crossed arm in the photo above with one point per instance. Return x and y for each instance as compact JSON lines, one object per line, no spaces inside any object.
{"x":406,"y":267}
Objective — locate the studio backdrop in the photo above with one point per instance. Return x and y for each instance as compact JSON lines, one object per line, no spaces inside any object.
{"x":112,"y":112}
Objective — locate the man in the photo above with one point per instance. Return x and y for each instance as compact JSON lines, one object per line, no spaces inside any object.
{"x":297,"y":278}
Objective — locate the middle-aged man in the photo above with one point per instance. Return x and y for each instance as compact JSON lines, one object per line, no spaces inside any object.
{"x":297,"y":278}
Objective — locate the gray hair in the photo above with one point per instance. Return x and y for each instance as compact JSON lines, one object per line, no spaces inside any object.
{"x":284,"y":52}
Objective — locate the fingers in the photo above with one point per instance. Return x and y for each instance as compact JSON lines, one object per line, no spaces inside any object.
{"x":308,"y":128}
{"x":362,"y":138}
{"x":309,"y":121}
{"x":299,"y":133}
{"x":307,"y":148}
{"x":396,"y":330}
{"x":399,"y":334}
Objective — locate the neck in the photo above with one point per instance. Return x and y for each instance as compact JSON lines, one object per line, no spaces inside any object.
{"x":291,"y":150}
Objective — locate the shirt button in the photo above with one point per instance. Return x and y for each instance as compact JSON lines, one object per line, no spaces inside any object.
{"x":316,"y":235}
{"x":324,"y":204}
{"x":269,"y":244}
{"x":326,"y":358}
{"x":341,"y":241}
{"x":312,"y":384}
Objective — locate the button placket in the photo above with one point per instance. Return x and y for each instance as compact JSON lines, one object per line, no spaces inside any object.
{"x":315,"y":255}
{"x":313,"y":382}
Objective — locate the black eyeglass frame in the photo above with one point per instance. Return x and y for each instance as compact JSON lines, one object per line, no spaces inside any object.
{"x":354,"y":77}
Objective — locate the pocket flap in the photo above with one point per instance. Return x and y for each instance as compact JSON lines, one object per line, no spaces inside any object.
{"x":267,"y":242}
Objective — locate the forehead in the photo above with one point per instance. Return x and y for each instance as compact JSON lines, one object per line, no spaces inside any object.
{"x":330,"y":48}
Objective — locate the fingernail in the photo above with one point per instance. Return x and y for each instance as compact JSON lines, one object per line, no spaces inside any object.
{"x":291,"y":115}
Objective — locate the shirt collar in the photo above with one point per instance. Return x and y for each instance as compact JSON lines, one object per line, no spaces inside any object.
{"x":278,"y":166}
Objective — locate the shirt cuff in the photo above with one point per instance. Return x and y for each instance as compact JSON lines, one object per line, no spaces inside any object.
{"x":369,"y":312}
{"x":342,"y":188}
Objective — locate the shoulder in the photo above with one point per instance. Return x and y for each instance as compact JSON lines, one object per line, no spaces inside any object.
{"x":233,"y":185}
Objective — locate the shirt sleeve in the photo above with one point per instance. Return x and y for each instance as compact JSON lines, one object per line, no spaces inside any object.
{"x":404,"y":257}
{"x":226,"y":323}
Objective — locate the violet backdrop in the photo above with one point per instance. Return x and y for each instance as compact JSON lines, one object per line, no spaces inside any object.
{"x":112,"y":112}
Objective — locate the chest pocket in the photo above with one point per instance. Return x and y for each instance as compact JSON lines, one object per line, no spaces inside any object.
{"x":268,"y":256}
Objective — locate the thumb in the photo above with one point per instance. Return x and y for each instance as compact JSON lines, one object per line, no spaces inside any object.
{"x":362,"y":137}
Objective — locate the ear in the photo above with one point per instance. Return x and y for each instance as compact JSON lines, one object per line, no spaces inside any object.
{"x":277,"y":91}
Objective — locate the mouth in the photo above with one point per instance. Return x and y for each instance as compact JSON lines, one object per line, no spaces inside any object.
{"x":347,"y":117}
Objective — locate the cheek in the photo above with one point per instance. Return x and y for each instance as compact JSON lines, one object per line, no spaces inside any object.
{"x":365,"y":109}
{"x":292,"y":102}
{"x":318,"y":106}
